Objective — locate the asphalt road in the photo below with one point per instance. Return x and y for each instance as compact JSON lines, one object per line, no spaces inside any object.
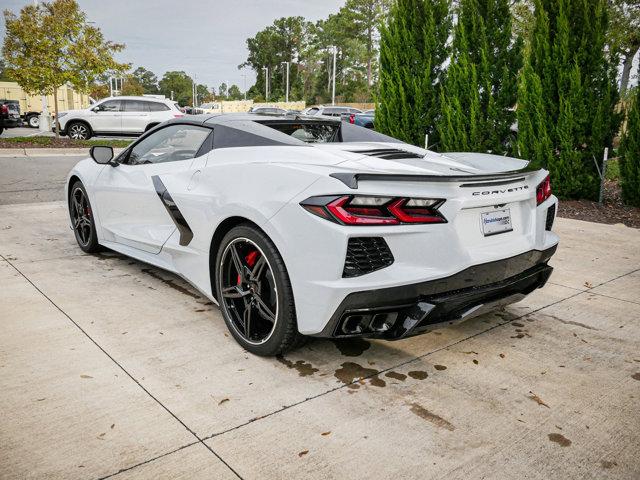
{"x":34,"y":179}
{"x":34,"y":132}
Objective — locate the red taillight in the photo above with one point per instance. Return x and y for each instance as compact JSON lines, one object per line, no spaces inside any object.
{"x":369,"y":210}
{"x":352,"y":118}
{"x":4,"y":109}
{"x":543,"y":190}
{"x":178,"y":115}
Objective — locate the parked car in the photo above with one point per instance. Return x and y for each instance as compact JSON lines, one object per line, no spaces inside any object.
{"x":312,"y":226}
{"x":9,"y":114}
{"x":364,"y":119}
{"x":331,"y":111}
{"x":118,"y":116}
{"x":268,"y":110}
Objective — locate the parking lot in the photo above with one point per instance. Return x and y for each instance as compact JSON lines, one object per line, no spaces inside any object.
{"x":113,"y":368}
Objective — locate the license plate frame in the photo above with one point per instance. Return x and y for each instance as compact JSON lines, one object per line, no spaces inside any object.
{"x":496,"y":222}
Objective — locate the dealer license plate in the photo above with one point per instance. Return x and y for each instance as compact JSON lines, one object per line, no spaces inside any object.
{"x":495,"y":222}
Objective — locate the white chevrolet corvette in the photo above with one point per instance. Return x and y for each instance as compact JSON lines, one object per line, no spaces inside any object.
{"x":301,"y":226}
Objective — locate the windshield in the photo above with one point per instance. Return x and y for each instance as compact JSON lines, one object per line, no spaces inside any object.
{"x":308,"y":132}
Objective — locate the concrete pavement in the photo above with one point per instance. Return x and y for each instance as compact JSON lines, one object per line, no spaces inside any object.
{"x":112,"y":368}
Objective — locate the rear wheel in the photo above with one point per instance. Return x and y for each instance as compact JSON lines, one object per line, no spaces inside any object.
{"x":255,"y":294}
{"x":33,"y":121}
{"x":82,"y":222}
{"x":78,"y":131}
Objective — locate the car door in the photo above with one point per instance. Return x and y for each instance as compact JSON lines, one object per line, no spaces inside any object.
{"x":135,"y":116}
{"x":106,"y":117}
{"x":133,"y":204}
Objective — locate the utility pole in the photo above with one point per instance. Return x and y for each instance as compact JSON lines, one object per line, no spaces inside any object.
{"x":266,"y":83}
{"x":244,"y":84}
{"x":333,"y":89}
{"x":195,"y":93}
{"x":286,"y":94}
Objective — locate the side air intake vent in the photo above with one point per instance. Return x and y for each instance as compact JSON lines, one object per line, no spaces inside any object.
{"x":388,"y":153}
{"x":551,"y":215}
{"x":366,"y":255}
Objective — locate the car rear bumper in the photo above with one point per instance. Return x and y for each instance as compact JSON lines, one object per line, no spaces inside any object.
{"x":399,"y":312}
{"x":11,"y":122}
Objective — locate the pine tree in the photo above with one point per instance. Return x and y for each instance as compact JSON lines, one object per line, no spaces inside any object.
{"x":630,"y":154}
{"x":567,"y":94}
{"x":412,"y":53}
{"x":481,"y":85}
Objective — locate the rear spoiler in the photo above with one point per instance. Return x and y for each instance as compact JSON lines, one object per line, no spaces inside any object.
{"x":501,"y":178}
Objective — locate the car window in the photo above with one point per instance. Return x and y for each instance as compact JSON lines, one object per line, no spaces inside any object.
{"x":308,"y":132}
{"x":355,"y":110}
{"x":135,"y":106}
{"x":110,"y":106}
{"x":170,"y":144}
{"x":157,"y":107}
{"x":312,"y":111}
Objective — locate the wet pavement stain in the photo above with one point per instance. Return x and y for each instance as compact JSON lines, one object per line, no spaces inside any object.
{"x":636,"y":376}
{"x":440,"y":367}
{"x":418,"y":374}
{"x":351,"y":347}
{"x":606,"y":464}
{"x":169,"y":282}
{"x":437,"y":420}
{"x":559,"y":439}
{"x":351,"y":372}
{"x":396,"y":376}
{"x":304,"y":369}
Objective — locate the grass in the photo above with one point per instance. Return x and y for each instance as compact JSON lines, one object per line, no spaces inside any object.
{"x":52,"y":142}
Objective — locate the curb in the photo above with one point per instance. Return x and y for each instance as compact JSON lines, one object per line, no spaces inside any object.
{"x":49,"y":152}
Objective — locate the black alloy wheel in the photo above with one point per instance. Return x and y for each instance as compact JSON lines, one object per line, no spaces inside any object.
{"x":82,"y":219}
{"x":254,"y":293}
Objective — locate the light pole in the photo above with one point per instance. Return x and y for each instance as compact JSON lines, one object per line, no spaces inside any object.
{"x":194,"y":91}
{"x":333,"y":88}
{"x":266,"y":83}
{"x":286,"y":94}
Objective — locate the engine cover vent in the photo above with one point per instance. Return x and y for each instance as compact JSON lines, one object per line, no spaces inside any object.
{"x":366,"y":255}
{"x":388,"y":153}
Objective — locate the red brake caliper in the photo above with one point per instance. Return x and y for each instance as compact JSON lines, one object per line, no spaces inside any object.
{"x":251,"y":261}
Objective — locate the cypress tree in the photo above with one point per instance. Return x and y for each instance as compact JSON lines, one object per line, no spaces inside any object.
{"x":412,"y":53}
{"x":567,"y":94}
{"x":480,"y":89}
{"x":630,"y":154}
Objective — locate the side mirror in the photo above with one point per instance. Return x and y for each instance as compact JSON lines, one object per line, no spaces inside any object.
{"x":101,"y":154}
{"x":95,"y":109}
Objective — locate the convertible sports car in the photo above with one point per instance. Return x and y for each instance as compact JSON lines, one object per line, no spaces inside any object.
{"x":301,"y":226}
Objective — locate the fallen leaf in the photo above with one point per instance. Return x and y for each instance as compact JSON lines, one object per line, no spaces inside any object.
{"x":303,"y":453}
{"x":475,"y":361}
{"x":588,"y":285}
{"x":501,"y":355}
{"x":537,"y":399}
{"x":112,"y":426}
{"x":222,"y":401}
{"x":324,"y":434}
{"x":86,"y":376}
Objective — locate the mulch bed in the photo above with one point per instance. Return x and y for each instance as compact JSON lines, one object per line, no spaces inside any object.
{"x":52,"y":142}
{"x":610,"y":212}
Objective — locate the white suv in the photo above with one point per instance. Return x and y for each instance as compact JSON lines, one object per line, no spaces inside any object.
{"x":117,"y":116}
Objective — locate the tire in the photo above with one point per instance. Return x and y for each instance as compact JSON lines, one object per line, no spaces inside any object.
{"x":81,"y":215}
{"x":33,"y":121}
{"x":78,"y":131}
{"x":272,"y":285}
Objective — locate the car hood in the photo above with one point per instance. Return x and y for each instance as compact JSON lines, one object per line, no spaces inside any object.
{"x":388,"y":158}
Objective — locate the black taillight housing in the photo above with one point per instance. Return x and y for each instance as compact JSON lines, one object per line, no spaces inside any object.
{"x":375,"y":210}
{"x":543,"y":190}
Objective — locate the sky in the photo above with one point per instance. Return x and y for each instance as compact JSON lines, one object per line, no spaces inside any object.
{"x":205,"y":38}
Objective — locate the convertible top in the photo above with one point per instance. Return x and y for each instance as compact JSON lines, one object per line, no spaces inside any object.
{"x":254,"y":129}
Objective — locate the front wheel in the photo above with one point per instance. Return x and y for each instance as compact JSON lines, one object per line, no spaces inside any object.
{"x":78,"y":131}
{"x":255,"y":294}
